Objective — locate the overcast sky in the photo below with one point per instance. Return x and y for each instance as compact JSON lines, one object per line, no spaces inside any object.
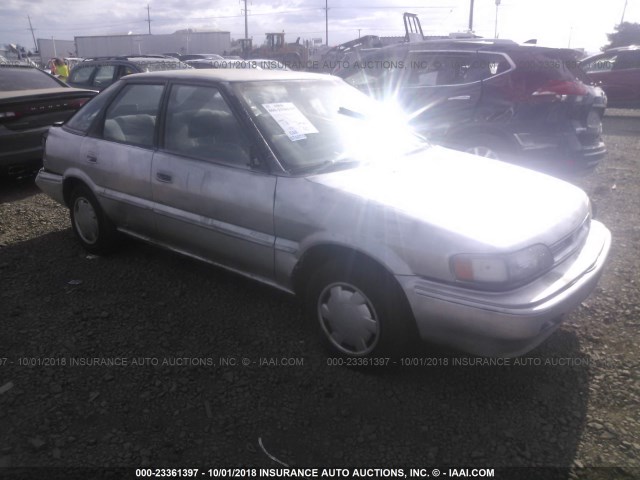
{"x":562,"y":23}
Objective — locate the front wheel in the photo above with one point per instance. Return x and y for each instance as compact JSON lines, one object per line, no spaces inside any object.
{"x":93,"y":229}
{"x":486,"y":146}
{"x":358,"y":309}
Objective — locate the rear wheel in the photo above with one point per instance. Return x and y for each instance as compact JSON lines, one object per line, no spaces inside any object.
{"x":93,"y":229}
{"x":357,"y":309}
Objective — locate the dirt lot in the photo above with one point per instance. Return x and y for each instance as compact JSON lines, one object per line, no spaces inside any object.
{"x":173,"y":328}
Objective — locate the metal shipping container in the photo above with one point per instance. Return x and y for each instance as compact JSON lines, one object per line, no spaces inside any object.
{"x":180,"y":42}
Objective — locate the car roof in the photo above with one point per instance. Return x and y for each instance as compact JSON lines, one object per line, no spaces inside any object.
{"x":132,"y":59}
{"x":628,"y":48}
{"x":470,"y":44}
{"x":623,"y":49}
{"x":230,"y":75}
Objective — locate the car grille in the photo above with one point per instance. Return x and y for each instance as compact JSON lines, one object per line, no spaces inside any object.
{"x":572,"y":242}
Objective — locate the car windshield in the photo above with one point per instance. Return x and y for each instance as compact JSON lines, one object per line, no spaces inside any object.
{"x":318,"y":125}
{"x":25,"y":79}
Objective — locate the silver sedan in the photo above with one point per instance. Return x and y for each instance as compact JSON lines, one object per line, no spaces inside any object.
{"x":302,"y":182}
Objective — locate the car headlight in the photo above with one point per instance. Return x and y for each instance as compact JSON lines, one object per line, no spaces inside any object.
{"x":494,"y":270}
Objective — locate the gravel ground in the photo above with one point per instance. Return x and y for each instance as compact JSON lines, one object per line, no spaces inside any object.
{"x":572,"y":402}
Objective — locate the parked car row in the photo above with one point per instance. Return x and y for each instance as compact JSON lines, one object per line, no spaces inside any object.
{"x":302,"y":182}
{"x":99,"y":73}
{"x":493,"y":98}
{"x":617,"y":71}
{"x":254,"y":63}
{"x":30,"y":101}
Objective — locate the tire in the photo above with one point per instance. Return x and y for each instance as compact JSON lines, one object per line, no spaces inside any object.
{"x":487,"y":146}
{"x":93,"y":229}
{"x":358,"y":309}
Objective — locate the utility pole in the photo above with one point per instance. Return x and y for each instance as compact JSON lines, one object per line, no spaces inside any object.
{"x":32,"y":34}
{"x":246,"y":21}
{"x":495,"y":34}
{"x":149,"y":18}
{"x":359,"y":32}
{"x":623,"y":11}
{"x":326,"y":20}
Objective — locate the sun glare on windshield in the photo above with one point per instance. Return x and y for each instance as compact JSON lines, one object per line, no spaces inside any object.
{"x":315,"y":124}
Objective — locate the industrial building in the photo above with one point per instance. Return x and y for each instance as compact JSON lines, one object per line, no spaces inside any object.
{"x":182,"y":42}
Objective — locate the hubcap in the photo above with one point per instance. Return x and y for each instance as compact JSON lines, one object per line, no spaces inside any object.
{"x":483,"y":152}
{"x":348,"y":319}
{"x":86,"y":221}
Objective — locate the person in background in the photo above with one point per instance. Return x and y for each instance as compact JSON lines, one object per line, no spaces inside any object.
{"x":51,"y":65}
{"x":61,"y":69}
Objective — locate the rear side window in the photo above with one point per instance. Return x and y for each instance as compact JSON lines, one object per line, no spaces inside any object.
{"x":25,"y":79}
{"x":603,"y":63}
{"x":430,"y":69}
{"x":131,"y":118}
{"x":536,"y":69}
{"x":628,"y":60}
{"x":82,"y":120}
{"x":487,"y":65}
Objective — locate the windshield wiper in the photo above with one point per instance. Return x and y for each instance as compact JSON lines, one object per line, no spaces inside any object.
{"x":327,"y":166}
{"x":350,"y":113}
{"x":339,"y":164}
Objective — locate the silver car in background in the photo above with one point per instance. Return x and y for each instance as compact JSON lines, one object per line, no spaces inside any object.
{"x":302,"y":182}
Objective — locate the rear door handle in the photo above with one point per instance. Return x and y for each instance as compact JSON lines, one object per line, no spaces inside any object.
{"x":164,"y":177}
{"x":91,"y":157}
{"x":460,"y":97}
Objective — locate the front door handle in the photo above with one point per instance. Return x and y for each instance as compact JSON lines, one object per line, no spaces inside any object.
{"x":91,"y":157}
{"x":164,"y":177}
{"x":460,"y":97}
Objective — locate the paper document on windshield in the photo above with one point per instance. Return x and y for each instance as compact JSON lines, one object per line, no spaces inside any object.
{"x":295,"y":125}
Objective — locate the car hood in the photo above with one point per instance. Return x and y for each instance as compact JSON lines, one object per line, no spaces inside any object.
{"x":492,"y":204}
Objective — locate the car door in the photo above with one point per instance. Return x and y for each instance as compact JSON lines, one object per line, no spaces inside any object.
{"x":625,"y":78}
{"x":104,"y":76}
{"x":438,"y":91}
{"x":119,"y":154}
{"x":208,"y":199}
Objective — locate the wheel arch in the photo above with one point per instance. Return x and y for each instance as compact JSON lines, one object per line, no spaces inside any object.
{"x":72,"y":180}
{"x":319,"y":254}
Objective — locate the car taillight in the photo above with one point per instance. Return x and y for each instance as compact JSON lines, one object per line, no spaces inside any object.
{"x":560,"y":88}
{"x":8,"y":115}
{"x":18,"y":111}
{"x":77,"y":103}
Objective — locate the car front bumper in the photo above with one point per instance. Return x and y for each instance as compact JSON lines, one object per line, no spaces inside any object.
{"x":507,"y":324}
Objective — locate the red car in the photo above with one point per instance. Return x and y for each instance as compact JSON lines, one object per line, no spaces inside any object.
{"x":617,"y":71}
